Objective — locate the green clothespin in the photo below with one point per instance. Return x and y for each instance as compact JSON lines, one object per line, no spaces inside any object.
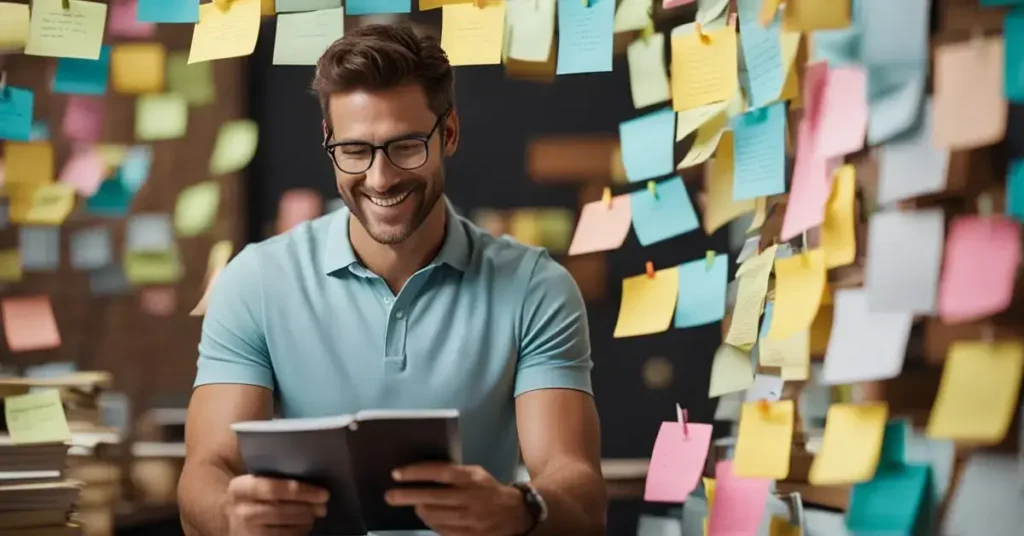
{"x":653,"y":188}
{"x":709,"y":259}
{"x":586,"y":3}
{"x":66,"y":4}
{"x":647,"y":31}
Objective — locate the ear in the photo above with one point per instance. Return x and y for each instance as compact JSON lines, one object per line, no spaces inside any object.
{"x":323,"y":124}
{"x":451,"y":132}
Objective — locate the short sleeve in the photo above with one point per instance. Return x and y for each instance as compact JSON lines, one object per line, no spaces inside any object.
{"x":233,"y":347}
{"x":554,"y":349}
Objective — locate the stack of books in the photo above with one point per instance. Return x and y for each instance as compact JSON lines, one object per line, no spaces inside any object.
{"x":79,"y":392}
{"x":35,"y":496}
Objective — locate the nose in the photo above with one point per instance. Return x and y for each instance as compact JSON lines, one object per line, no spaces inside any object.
{"x":382,"y":174}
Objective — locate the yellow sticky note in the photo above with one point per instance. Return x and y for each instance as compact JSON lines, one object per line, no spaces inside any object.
{"x":709,"y":495}
{"x":688,"y":121}
{"x":267,"y":7}
{"x":648,"y":303}
{"x":235,"y":146}
{"x":10,"y":266}
{"x":152,"y":267}
{"x":704,"y":70}
{"x":51,"y":204}
{"x":194,"y":82}
{"x":67,"y":33}
{"x":434,"y":4}
{"x":525,"y":227}
{"x":719,"y":207}
{"x":19,"y":196}
{"x":13,"y":25}
{"x":473,"y":35}
{"x":36,"y":418}
{"x":196,"y":208}
{"x":753,"y":275}
{"x":227,"y":33}
{"x":838,"y":238}
{"x":160,"y":116}
{"x":764,"y":440}
{"x":760,"y":214}
{"x":218,"y":259}
{"x":731,"y":371}
{"x":978,"y":393}
{"x":810,"y":15}
{"x":851,"y":445}
{"x":790,"y":45}
{"x":138,"y":68}
{"x":780,"y":526}
{"x":112,"y":155}
{"x":792,"y":354}
{"x":648,"y":78}
{"x":799,"y":281}
{"x":709,"y":136}
{"x":28,"y":163}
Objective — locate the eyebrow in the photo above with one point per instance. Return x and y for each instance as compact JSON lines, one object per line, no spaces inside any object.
{"x":411,"y":135}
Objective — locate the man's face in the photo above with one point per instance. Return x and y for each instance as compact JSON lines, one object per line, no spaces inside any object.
{"x":390,"y":202}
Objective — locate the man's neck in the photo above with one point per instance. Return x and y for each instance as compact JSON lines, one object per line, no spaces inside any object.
{"x":397,"y":263}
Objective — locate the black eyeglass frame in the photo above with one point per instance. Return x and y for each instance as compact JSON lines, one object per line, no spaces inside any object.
{"x":330,"y":146}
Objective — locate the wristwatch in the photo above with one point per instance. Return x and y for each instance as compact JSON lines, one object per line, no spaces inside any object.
{"x":534,"y":504}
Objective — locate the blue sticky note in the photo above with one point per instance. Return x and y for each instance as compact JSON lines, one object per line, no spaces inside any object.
{"x":1015,"y":189}
{"x":1013,"y":34}
{"x":83,"y":77}
{"x":40,"y":248}
{"x":40,"y":131}
{"x":289,"y":6}
{"x":701,"y":292}
{"x":762,"y":53}
{"x":647,"y":144}
{"x":135,"y":167}
{"x":668,"y":215}
{"x":111,"y":199}
{"x":895,"y":97}
{"x":894,"y":33}
{"x":890,"y":502}
{"x":368,"y":7}
{"x":585,"y":36}
{"x":175,"y":11}
{"x":759,"y":141}
{"x":766,"y":320}
{"x":16,"y":114}
{"x":999,"y":3}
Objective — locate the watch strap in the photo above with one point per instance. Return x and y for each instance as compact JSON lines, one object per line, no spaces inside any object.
{"x":535,"y":504}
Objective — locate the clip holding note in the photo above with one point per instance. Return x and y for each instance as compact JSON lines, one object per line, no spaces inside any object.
{"x":682,"y":416}
{"x":606,"y":197}
{"x":765,"y":407}
{"x":66,"y":5}
{"x":704,"y":38}
{"x":480,"y":3}
{"x":653,"y":188}
{"x":647,"y":31}
{"x":586,"y":3}
{"x":650,"y":269}
{"x":709,"y":259}
{"x":222,"y":5}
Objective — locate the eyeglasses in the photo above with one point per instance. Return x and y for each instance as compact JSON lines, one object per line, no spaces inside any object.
{"x":407,"y":152}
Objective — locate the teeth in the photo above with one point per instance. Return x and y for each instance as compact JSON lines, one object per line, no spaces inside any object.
{"x":388,"y":201}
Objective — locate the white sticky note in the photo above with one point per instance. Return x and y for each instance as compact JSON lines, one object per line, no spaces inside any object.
{"x":912,"y":165}
{"x":766,"y":387}
{"x":648,"y":77}
{"x":904,"y":260}
{"x":531,"y":26}
{"x":894,"y":32}
{"x":864,"y":345}
{"x":649,"y":525}
{"x":149,"y":232}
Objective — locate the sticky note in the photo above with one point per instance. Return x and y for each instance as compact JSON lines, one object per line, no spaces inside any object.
{"x":83,"y":118}
{"x":296,"y":206}
{"x":739,"y":503}
{"x":40,"y":248}
{"x":688,"y":121}
{"x":369,"y":7}
{"x":172,"y":11}
{"x":51,"y":204}
{"x":790,"y":43}
{"x":839,"y":47}
{"x":109,"y":281}
{"x":719,"y":206}
{"x":585,"y":36}
{"x":286,"y":6}
{"x":666,"y":214}
{"x":10,"y":266}
{"x":904,"y":259}
{"x":711,"y":10}
{"x":29,"y":163}
{"x":765,"y":387}
{"x":225,"y":34}
{"x":73,"y":33}
{"x":158,"y":301}
{"x":912,"y":165}
{"x":91,"y":248}
{"x":152,"y":267}
{"x":647,"y":303}
{"x":970,"y":108}
{"x":602,"y":226}
{"x":138,"y":68}
{"x":809,"y":15}
{"x":851,"y":445}
{"x":759,"y":139}
{"x":753,"y":277}
{"x":531,"y":29}
{"x":655,"y":525}
{"x":472,"y":34}
{"x":1013,"y":33}
{"x":196,"y":208}
{"x":762,"y":53}
{"x":701,"y":291}
{"x":123,"y":22}
{"x":160,"y":117}
{"x":890,"y":503}
{"x":29,"y":324}
{"x":677,"y":461}
{"x":149,"y":232}
{"x":838,"y":232}
{"x":135,"y":167}
{"x":799,"y":282}
{"x":83,"y":76}
{"x":632,"y":15}
{"x":703,"y":72}
{"x":894,"y":33}
{"x":40,"y":131}
{"x":1015,"y":189}
{"x":235,"y":146}
{"x":647,"y":144}
{"x":853,"y":358}
{"x":809,"y":191}
{"x":16,"y":113}
{"x":843,"y":121}
{"x":648,"y":78}
{"x":84,"y":171}
{"x":113,"y":154}
{"x":193,"y":82}
{"x":14,"y":25}
{"x":218,"y":258}
{"x":731,"y":371}
{"x":895,"y":94}
{"x":303,"y":37}
{"x":112,"y":199}
{"x":36,"y":417}
{"x":709,"y":136}
{"x":980,"y":265}
{"x":764,"y":440}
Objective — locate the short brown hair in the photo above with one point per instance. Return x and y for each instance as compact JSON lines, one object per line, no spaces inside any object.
{"x":383,"y":56}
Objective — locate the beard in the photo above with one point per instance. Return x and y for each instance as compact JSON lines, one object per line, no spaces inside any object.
{"x":388,"y":228}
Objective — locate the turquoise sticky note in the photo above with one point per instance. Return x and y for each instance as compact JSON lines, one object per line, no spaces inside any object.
{"x":83,"y":77}
{"x":759,"y":142}
{"x":369,"y":7}
{"x":16,"y":113}
{"x":837,"y":47}
{"x":174,"y":11}
{"x":290,"y":6}
{"x":647,"y":144}
{"x":766,"y":320}
{"x":663,"y":215}
{"x":1015,"y":190}
{"x":585,"y":36}
{"x":890,"y":502}
{"x":762,"y":53}
{"x":998,"y":3}
{"x":111,"y":199}
{"x":40,"y":131}
{"x":894,"y":443}
{"x":1013,"y":34}
{"x":135,"y":167}
{"x":895,"y":100}
{"x":701,"y":292}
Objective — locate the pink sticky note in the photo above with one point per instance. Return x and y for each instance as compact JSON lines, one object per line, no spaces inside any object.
{"x":980,"y":266}
{"x":677,"y":461}
{"x":29,"y":324}
{"x":809,"y":190}
{"x":739,"y":503}
{"x":83,"y":118}
{"x":843,"y":117}
{"x":85,"y":170}
{"x":815,"y":77}
{"x":668,"y":4}
{"x":124,"y":20}
{"x":602,"y":227}
{"x":158,"y":301}
{"x":297,"y":206}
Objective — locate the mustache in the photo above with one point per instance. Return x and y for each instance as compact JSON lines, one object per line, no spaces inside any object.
{"x":394,"y":190}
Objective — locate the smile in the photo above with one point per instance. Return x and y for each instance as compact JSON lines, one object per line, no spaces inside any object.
{"x":388,"y":201}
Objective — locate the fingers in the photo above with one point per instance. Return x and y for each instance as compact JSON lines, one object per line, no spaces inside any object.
{"x":443,"y":473}
{"x":249,"y":487}
{"x":429,"y":497}
{"x":444,"y":519}
{"x":263,"y":514}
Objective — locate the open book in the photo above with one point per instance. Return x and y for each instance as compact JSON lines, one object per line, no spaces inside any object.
{"x":352,"y":456}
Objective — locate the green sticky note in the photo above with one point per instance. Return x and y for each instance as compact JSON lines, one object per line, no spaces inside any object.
{"x":152,"y":267}
{"x":160,"y":117}
{"x":193,"y":82}
{"x":36,"y":418}
{"x":235,"y":146}
{"x":196,"y":208}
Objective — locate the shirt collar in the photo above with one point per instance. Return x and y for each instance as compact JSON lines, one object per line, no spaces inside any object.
{"x":338,"y":252}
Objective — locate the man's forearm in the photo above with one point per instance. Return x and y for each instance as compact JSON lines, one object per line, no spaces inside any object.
{"x":201,"y":492}
{"x":576,"y":500}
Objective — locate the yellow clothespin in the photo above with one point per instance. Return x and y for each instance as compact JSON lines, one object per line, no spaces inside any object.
{"x":682,"y":417}
{"x":480,"y":3}
{"x":709,"y":259}
{"x":700,"y":33}
{"x":606,"y":197}
{"x":650,"y":269}
{"x":768,"y":10}
{"x":764,"y":407}
{"x":653,"y":188}
{"x":222,"y":5}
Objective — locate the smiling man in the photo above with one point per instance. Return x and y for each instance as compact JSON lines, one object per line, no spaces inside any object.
{"x":397,"y":302}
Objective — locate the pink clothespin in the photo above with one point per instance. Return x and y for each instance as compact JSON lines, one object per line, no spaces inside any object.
{"x":682,"y":417}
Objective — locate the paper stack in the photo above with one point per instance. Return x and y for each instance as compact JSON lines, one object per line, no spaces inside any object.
{"x":79,"y":394}
{"x":35,"y":498}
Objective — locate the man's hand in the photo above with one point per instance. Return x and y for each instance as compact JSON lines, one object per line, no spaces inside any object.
{"x":475,"y":505}
{"x":259,"y":506}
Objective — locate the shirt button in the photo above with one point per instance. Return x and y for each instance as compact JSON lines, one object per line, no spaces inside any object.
{"x":399,"y":314}
{"x":387,"y":301}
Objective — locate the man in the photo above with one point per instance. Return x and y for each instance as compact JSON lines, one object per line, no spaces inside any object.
{"x":396,"y":302}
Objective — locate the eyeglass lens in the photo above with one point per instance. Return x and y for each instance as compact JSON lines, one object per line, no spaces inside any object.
{"x":358,"y":157}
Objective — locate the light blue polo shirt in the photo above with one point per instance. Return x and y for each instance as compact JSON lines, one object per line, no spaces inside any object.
{"x":488,"y":320}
